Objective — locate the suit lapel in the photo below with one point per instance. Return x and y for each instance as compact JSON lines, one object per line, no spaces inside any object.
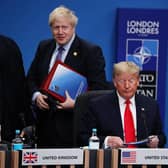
{"x":73,"y":53}
{"x":117,"y":119}
{"x":141,"y":127}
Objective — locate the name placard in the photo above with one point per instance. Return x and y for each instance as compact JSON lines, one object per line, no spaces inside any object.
{"x":144,"y":156}
{"x":52,"y":156}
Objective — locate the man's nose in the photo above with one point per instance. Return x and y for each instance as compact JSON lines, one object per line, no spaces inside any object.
{"x":60,"y":29}
{"x":127,"y":84}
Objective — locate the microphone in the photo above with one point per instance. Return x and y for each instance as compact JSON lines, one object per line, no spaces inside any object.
{"x":143,"y":115}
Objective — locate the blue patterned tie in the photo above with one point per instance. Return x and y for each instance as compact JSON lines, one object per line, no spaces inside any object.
{"x":59,"y":54}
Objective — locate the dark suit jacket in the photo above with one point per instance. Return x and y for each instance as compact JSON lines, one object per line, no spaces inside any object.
{"x":104,"y":114}
{"x":89,"y":62}
{"x":12,"y":80}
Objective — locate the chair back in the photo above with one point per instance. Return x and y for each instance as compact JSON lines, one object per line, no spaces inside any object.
{"x":81,"y":107}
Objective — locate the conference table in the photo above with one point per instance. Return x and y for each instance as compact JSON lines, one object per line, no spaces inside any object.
{"x":84,"y":158}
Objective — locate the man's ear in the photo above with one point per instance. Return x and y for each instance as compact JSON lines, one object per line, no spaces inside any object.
{"x":138,"y":83}
{"x":114,"y":82}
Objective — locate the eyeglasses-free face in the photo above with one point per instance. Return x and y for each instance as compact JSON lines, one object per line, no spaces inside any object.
{"x":62,"y":30}
{"x":126,"y":84}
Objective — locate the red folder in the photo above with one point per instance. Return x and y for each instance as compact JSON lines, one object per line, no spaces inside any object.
{"x":62,"y":78}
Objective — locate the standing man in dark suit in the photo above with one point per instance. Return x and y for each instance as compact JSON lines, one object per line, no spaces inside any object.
{"x":12,"y":88}
{"x":55,"y":121}
{"x":107,"y":113}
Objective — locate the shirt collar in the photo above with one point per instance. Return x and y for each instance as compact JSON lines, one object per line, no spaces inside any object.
{"x":122,"y":100}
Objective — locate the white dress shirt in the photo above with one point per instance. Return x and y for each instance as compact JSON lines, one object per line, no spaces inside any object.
{"x":122,"y":106}
{"x":64,"y":52}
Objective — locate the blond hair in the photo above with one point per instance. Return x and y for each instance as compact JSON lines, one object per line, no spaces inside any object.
{"x":65,"y":12}
{"x":125,"y":66}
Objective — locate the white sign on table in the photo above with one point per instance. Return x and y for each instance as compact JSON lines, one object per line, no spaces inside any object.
{"x":144,"y":156}
{"x":52,"y":156}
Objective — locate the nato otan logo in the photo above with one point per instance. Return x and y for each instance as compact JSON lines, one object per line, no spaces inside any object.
{"x":143,"y":52}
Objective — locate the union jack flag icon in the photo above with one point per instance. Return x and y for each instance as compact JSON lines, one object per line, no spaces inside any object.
{"x":30,"y":157}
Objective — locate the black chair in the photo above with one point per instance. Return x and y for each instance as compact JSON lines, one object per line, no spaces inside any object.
{"x":81,"y":107}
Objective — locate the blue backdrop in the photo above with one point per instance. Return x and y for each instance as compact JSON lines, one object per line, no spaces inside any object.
{"x":142,"y":38}
{"x":27,"y":23}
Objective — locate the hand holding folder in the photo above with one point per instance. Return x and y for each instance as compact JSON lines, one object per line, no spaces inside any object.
{"x":67,"y":104}
{"x":143,"y":141}
{"x":63,"y":78}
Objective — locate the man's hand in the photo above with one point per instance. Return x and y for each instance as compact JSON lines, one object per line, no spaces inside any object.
{"x":68,"y":104}
{"x":41,"y":102}
{"x":114,"y":142}
{"x":153,"y":141}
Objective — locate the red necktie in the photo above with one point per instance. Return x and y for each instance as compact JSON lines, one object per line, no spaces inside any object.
{"x":129,"y":125}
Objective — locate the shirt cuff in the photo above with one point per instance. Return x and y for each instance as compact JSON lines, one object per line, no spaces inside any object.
{"x":105,"y":142}
{"x":35,"y":96}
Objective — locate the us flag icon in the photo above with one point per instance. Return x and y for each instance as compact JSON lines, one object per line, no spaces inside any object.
{"x":30,"y":157}
{"x":129,"y":157}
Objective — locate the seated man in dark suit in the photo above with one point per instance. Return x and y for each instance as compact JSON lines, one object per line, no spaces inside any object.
{"x":123,"y":116}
